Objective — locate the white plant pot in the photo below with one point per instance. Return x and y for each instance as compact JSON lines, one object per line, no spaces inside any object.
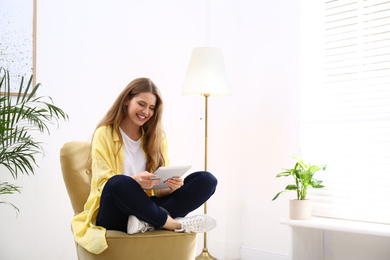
{"x":300,"y":209}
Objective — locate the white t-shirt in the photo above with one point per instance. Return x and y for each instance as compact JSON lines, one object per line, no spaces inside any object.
{"x":135,"y":161}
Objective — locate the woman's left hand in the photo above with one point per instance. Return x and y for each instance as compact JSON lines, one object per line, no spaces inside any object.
{"x":174,"y":183}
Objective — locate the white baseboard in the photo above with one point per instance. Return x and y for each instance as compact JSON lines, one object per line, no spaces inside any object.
{"x":250,"y":253}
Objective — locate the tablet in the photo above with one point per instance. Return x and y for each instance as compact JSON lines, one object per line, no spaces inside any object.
{"x":165,"y":173}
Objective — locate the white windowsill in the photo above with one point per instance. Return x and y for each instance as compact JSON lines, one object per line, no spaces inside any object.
{"x":341,"y":225}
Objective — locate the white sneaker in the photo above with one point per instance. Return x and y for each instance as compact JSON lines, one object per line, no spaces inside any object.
{"x":134,"y":225}
{"x":198,"y":224}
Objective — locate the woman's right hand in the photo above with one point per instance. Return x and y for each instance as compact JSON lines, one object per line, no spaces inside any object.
{"x":144,"y":181}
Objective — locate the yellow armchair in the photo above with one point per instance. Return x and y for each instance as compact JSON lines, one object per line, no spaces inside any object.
{"x":154,"y":245}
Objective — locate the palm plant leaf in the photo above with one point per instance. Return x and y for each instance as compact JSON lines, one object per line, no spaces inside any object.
{"x":6,"y":188}
{"x":18,"y":117}
{"x":18,"y":154}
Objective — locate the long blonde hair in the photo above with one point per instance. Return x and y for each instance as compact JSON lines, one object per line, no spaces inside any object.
{"x":154,"y":135}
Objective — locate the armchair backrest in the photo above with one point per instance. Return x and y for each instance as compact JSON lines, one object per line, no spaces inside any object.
{"x":76,"y":171}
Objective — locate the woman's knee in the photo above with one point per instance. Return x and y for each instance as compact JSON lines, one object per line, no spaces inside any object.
{"x":206,"y":178}
{"x":210,"y":178}
{"x":118,"y":183}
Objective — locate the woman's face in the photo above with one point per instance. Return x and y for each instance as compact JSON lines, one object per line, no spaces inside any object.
{"x":140,"y":108}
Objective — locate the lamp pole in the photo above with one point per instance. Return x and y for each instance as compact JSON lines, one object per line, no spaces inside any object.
{"x":205,"y":253}
{"x":206,"y":76}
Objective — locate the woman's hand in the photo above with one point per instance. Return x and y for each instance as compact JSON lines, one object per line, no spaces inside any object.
{"x":173,"y":184}
{"x":144,"y":181}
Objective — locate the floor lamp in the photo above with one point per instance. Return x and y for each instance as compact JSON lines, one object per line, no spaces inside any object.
{"x":207,"y":77}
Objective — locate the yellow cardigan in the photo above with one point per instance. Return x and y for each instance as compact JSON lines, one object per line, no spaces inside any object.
{"x":106,"y":162}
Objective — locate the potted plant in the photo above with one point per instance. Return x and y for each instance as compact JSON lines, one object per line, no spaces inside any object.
{"x":300,"y":208}
{"x":20,"y":115}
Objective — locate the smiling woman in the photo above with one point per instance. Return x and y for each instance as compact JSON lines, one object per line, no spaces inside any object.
{"x":128,"y":145}
{"x":139,"y":110}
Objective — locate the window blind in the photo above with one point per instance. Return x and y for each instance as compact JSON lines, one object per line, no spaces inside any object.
{"x":344,"y":111}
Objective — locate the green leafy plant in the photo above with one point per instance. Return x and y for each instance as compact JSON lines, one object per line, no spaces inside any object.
{"x":20,"y":115}
{"x":303,"y":175}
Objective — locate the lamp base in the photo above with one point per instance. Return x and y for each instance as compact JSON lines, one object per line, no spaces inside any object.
{"x":205,"y":255}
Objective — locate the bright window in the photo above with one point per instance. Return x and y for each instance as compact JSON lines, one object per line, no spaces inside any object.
{"x":345,"y":105}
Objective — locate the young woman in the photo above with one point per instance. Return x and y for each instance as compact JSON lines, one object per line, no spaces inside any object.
{"x":128,"y":146}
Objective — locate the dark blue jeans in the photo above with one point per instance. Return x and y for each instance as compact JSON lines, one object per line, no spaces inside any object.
{"x":122,"y":196}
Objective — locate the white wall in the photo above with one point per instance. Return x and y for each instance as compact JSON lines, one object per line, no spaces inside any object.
{"x":269,"y":79}
{"x":87,"y":53}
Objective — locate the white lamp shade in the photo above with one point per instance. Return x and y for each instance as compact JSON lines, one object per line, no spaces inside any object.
{"x":206,"y":74}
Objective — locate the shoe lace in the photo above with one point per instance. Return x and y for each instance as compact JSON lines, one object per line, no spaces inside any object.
{"x":143,"y":227}
{"x":193,"y":225}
